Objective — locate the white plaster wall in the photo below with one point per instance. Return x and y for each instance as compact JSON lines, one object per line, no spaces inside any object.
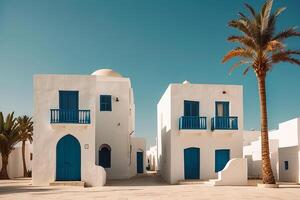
{"x":174,"y":142}
{"x":250,"y":136}
{"x":290,"y":154}
{"x":163,"y":135}
{"x":289,"y":133}
{"x":114,"y":127}
{"x":46,"y":135}
{"x":253,"y":154}
{"x":15,"y":161}
{"x":234,"y":173}
{"x":137,"y":145}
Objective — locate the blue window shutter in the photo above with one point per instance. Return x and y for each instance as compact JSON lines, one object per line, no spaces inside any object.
{"x":191,"y":108}
{"x":105,"y":103}
{"x":226,"y":109}
{"x":222,"y":156}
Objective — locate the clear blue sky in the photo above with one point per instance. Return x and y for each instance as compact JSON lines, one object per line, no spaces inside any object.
{"x":152,"y":42}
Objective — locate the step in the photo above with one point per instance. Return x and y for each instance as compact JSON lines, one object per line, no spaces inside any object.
{"x":191,"y":182}
{"x":68,"y":183}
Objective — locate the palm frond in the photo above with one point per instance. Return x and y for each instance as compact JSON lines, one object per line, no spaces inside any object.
{"x":238,"y":52}
{"x":286,"y":34}
{"x":243,"y":40}
{"x":265,"y":14}
{"x":251,"y":9}
{"x":238,"y":64}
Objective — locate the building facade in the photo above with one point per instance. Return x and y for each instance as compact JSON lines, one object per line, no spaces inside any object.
{"x":84,"y":129}
{"x":199,"y":129}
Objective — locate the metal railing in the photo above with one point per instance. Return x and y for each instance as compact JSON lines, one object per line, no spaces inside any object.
{"x":192,"y":122}
{"x":224,"y":123}
{"x":70,"y":116}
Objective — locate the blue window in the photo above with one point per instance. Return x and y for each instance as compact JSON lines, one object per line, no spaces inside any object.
{"x":191,"y":108}
{"x":105,"y":103}
{"x":105,"y":156}
{"x":286,"y":165}
{"x":222,"y":109}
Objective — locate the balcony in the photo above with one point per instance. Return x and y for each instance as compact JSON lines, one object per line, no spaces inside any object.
{"x":192,"y":122}
{"x":224,"y":123}
{"x":70,"y":116}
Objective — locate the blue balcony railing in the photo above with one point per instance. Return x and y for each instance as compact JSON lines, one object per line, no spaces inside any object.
{"x":224,"y":123}
{"x":70,"y":116}
{"x":192,"y":122}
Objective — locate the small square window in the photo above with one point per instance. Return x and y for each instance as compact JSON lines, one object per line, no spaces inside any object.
{"x":105,"y":103}
{"x":286,"y":165}
{"x":31,"y":156}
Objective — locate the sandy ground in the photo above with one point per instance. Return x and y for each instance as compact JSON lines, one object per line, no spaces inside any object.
{"x":144,"y":187}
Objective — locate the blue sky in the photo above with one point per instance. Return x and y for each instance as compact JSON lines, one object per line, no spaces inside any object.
{"x":152,"y":42}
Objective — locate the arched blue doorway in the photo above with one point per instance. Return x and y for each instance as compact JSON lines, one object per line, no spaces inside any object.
{"x":192,"y":163}
{"x":68,"y":159}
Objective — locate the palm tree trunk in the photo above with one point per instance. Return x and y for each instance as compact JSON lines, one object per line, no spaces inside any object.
{"x":3,"y":172}
{"x":267,"y":174}
{"x":25,"y":174}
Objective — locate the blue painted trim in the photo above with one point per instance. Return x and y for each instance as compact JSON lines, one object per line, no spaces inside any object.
{"x":58,"y":116}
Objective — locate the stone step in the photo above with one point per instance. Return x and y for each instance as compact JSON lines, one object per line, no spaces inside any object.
{"x":68,"y":183}
{"x":191,"y":182}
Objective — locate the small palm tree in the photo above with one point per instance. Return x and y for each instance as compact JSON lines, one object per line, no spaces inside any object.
{"x":26,"y":131}
{"x":9,"y":137}
{"x":260,"y":49}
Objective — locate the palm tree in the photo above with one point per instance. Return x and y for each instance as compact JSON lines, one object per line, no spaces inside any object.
{"x":26,"y":130}
{"x":260,"y":48}
{"x":9,"y":137}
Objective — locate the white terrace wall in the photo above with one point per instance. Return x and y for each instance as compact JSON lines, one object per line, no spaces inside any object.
{"x":137,"y":145}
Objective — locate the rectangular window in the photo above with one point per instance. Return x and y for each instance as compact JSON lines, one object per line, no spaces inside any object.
{"x":286,"y":165}
{"x":105,"y":103}
{"x":222,"y":109}
{"x":222,"y":156}
{"x":191,"y":108}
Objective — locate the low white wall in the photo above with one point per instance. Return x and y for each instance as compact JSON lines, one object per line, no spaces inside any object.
{"x":15,"y":162}
{"x":234,"y":173}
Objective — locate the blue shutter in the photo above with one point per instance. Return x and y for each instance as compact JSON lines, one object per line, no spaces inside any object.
{"x":105,"y":103}
{"x":226,"y":109}
{"x":191,"y":108}
{"x":140,"y":162}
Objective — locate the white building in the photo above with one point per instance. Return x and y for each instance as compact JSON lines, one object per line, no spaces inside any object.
{"x":152,"y":158}
{"x":15,"y":160}
{"x":84,"y":129}
{"x":284,"y":152}
{"x":199,"y":130}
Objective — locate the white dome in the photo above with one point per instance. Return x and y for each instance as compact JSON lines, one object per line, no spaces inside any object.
{"x":106,"y":72}
{"x":185,"y":82}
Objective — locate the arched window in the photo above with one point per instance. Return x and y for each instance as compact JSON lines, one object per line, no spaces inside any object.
{"x":105,"y":156}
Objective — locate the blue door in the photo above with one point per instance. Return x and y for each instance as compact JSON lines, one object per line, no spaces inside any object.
{"x":140,"y":162}
{"x":222,"y":156}
{"x":68,"y":159}
{"x":68,"y":106}
{"x":192,"y":163}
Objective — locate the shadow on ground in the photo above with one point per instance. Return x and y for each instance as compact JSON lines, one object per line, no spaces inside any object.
{"x":140,"y":180}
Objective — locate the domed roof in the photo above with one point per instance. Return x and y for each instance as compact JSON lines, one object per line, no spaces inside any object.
{"x":185,"y":82}
{"x":106,"y":72}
